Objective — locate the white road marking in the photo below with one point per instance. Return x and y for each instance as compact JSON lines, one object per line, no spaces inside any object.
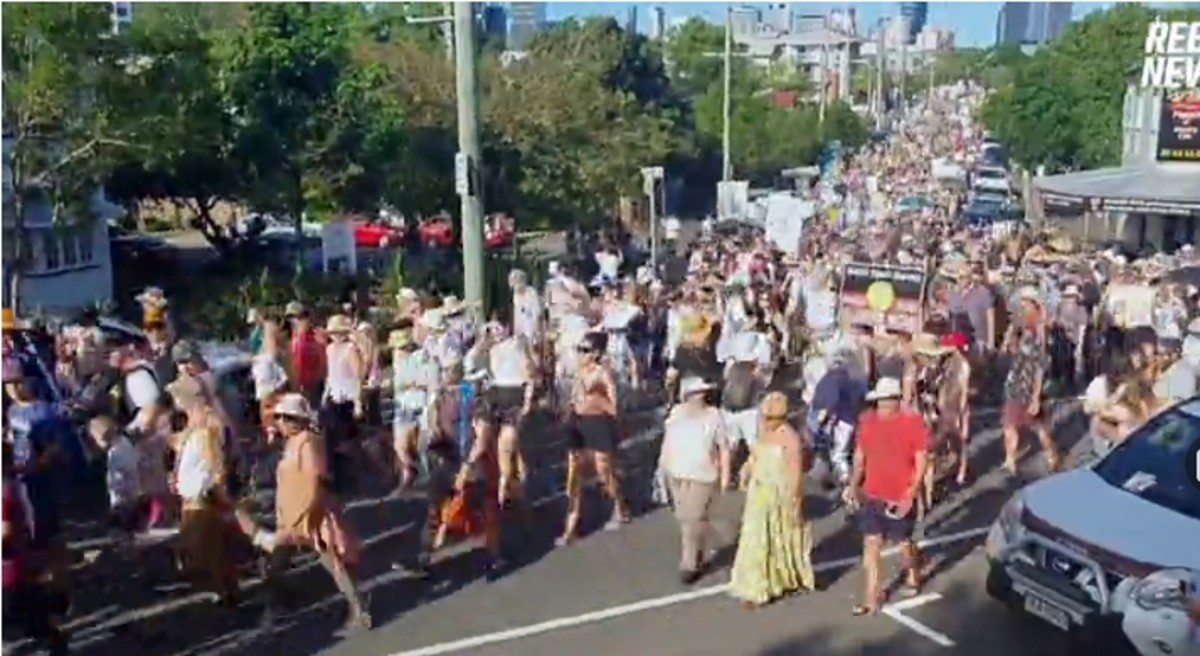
{"x":895,"y":611}
{"x":658,"y":602}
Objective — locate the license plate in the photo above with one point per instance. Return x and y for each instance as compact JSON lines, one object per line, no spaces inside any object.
{"x":1052,"y":614}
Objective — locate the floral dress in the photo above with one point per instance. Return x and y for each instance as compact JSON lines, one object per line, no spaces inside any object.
{"x":775,"y":546}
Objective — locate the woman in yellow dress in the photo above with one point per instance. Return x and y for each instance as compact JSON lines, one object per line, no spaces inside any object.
{"x":775,"y":547}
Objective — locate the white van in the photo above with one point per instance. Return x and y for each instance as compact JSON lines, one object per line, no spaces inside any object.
{"x":991,"y":178}
{"x":1110,"y":553}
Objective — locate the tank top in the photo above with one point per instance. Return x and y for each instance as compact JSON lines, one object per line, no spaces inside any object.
{"x":507,"y":360}
{"x":342,"y":383}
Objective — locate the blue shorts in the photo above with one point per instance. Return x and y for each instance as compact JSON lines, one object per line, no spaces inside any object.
{"x":873,"y":519}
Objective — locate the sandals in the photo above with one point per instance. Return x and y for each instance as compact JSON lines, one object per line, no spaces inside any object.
{"x":863,"y":610}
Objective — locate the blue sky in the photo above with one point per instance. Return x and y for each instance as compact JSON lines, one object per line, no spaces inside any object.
{"x":974,"y":23}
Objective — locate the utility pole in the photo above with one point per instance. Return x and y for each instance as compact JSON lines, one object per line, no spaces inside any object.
{"x":651,"y":176}
{"x":932,"y":65}
{"x":881,"y":107}
{"x":726,"y":101}
{"x":823,"y":87}
{"x":467,"y":162}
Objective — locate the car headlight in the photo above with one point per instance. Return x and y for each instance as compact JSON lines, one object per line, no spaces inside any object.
{"x":1010,"y":518}
{"x":1168,"y":588}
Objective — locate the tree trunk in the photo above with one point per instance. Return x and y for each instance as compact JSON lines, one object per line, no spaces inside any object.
{"x":18,"y":268}
{"x":212,"y":231}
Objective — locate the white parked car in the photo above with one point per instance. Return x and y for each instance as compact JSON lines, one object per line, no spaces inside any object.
{"x":1110,"y":553}
{"x":991,"y":178}
{"x":274,"y":225}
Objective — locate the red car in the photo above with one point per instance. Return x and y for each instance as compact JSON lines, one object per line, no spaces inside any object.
{"x":376,"y":234}
{"x":437,"y":232}
{"x":499,"y":232}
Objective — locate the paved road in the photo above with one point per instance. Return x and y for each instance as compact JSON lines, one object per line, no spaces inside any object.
{"x":612,"y":591}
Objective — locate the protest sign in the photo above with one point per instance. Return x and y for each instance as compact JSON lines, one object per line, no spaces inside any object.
{"x":888,"y":296}
{"x":1131,"y":306}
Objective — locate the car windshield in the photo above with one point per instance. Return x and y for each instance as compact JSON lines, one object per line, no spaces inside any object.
{"x":990,"y":174}
{"x":1152,"y":462}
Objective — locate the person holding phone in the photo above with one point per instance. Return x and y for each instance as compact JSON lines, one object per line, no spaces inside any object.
{"x":889,"y":460}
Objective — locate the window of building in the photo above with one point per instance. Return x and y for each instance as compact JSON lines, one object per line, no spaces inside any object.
{"x":51,"y":251}
{"x":87,"y":254}
{"x":70,"y":249}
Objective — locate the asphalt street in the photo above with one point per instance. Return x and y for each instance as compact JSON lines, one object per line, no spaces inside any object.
{"x":611,"y":592}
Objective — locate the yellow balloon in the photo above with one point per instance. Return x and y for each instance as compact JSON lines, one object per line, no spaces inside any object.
{"x":881,"y":296}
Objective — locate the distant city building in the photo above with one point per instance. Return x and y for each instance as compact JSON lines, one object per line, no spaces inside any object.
{"x":1032,"y":23}
{"x":658,"y":24}
{"x":777,"y":18}
{"x":917,"y":14}
{"x":495,"y":22}
{"x":744,"y":22}
{"x":122,"y":15}
{"x":525,"y":20}
{"x":631,"y":20}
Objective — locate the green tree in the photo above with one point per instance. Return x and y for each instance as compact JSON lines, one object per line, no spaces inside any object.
{"x":585,"y":110}
{"x":60,"y":65}
{"x":178,"y":115}
{"x":693,"y":53}
{"x":303,"y":112}
{"x":1062,"y":108}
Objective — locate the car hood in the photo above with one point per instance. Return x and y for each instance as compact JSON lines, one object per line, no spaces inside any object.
{"x":1082,"y":505}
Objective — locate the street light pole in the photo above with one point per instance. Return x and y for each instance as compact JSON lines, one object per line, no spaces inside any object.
{"x":726,"y":102}
{"x":467,"y":162}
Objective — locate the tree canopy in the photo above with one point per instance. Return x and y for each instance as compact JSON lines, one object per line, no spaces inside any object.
{"x":311,"y":110}
{"x":1062,"y":106}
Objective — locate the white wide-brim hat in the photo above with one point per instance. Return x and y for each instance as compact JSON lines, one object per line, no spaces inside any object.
{"x":694,"y":385}
{"x":293,"y":406}
{"x":886,"y":388}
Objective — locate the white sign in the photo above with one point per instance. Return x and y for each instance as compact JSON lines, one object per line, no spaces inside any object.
{"x":1172,"y":55}
{"x":462,"y":174}
{"x":337,"y":247}
{"x":786,"y":216}
{"x":733,"y":199}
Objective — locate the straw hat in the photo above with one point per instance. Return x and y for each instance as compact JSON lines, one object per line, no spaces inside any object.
{"x":886,"y":388}
{"x":1061,"y":244}
{"x":1029,"y":293}
{"x":774,"y":406}
{"x":928,"y":344}
{"x":186,"y":392}
{"x":407,"y":294}
{"x":339,"y":323}
{"x":434,"y":320}
{"x":152,"y":296}
{"x":1072,"y":291}
{"x":293,"y":406}
{"x":293,"y":309}
{"x":694,"y":385}
{"x":399,"y":339}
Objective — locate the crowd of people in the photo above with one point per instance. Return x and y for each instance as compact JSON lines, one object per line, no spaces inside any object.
{"x":766,"y":386}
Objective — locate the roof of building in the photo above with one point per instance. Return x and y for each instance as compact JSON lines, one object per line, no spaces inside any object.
{"x":804,"y":39}
{"x":1151,"y":183}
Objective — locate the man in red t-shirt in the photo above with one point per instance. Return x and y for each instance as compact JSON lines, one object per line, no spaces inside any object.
{"x":888,"y":462}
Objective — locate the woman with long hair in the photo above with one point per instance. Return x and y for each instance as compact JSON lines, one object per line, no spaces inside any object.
{"x":205,"y":535}
{"x":775,"y":544}
{"x":341,"y":402}
{"x":594,"y":435}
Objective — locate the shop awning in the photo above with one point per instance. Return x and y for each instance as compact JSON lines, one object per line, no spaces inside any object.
{"x":1156,"y":189}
